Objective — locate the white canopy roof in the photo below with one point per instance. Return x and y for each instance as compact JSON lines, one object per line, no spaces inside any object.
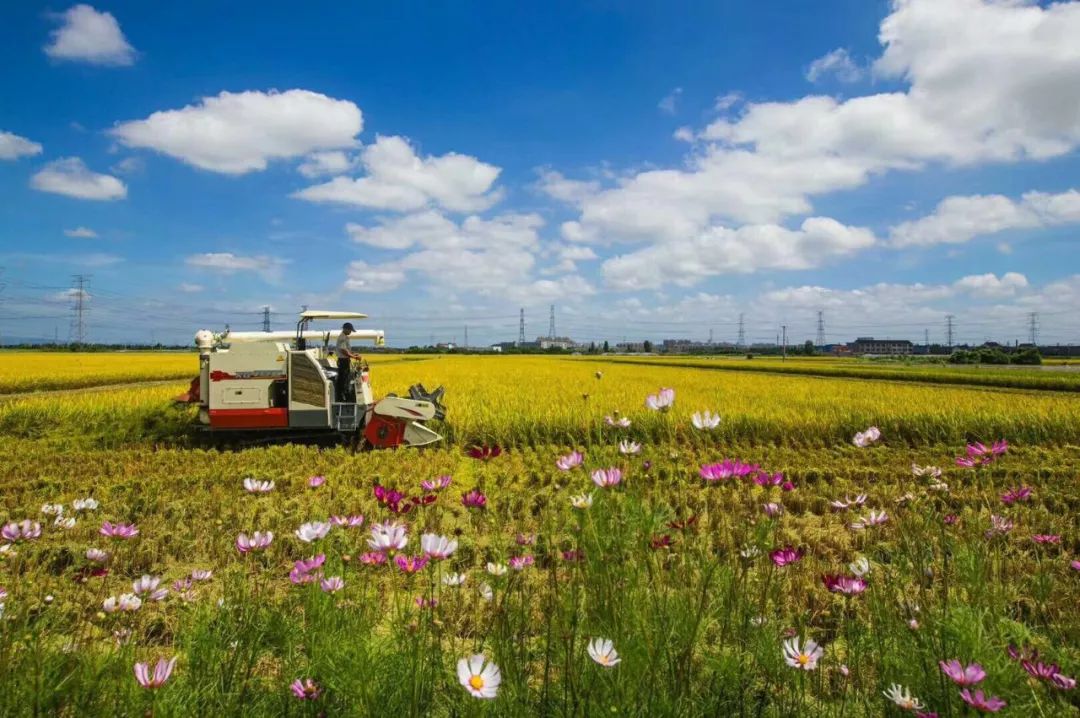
{"x":322,"y":314}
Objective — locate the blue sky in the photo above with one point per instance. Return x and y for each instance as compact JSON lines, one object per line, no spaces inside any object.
{"x":652,"y":173}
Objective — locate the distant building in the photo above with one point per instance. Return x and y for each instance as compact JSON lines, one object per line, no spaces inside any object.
{"x":630,"y":347}
{"x":448,"y":346}
{"x":869,"y":345}
{"x":555,"y":342}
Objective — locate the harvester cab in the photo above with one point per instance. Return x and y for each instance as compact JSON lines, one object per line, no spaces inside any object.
{"x":284,"y":383}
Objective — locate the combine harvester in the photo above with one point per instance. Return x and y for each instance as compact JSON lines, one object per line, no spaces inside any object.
{"x":272,"y":385}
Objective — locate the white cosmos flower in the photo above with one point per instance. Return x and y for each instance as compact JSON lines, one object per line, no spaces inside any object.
{"x":87,"y":504}
{"x":705,"y":420}
{"x":860,"y":566}
{"x":602,"y":650}
{"x":874,"y":518}
{"x":629,"y":447}
{"x":865,"y":438}
{"x":806,"y":657}
{"x":96,"y":555}
{"x":125,"y":602}
{"x":312,"y":531}
{"x":65,"y":523}
{"x":661,"y":401}
{"x":254,"y":486}
{"x":497,"y":569}
{"x":581,"y":501}
{"x":902,"y":698}
{"x":454,"y":579}
{"x":437,"y":546}
{"x":388,"y":537}
{"x":486,"y":593}
{"x":750,"y":552}
{"x":52,"y":509}
{"x":480,"y":677}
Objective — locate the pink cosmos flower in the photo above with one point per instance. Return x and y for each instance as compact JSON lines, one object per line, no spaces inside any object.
{"x":96,"y":555}
{"x":161,"y":673}
{"x":422,"y":602}
{"x":766,"y":479}
{"x":485,"y":452}
{"x":148,"y":586}
{"x":847,"y":585}
{"x":373,"y":558}
{"x":662,"y":400}
{"x":727,"y":469}
{"x":951,"y":519}
{"x":256,"y":542}
{"x":410,"y":564}
{"x":437,"y":484}
{"x":999,"y":526}
{"x":1046,"y":538}
{"x":1062,"y":681}
{"x":846,"y":502}
{"x":772,"y":509}
{"x":316,"y":481}
{"x":1040,"y":670}
{"x":24,"y":530}
{"x":475,"y":499}
{"x":621,"y":423}
{"x":786,"y":555}
{"x":1021,"y":493}
{"x":332,"y":584}
{"x":123,"y":531}
{"x":525,"y":539}
{"x":874,"y":518}
{"x":573,"y":555}
{"x":354,"y":521}
{"x":982,"y":702}
{"x":606,"y":478}
{"x":306,"y":690}
{"x":571,"y":460}
{"x":519,"y":563}
{"x":960,"y":674}
{"x":201,"y":574}
{"x":1075,"y":565}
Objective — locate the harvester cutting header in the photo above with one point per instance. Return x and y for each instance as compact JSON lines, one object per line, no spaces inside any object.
{"x":285,"y":383}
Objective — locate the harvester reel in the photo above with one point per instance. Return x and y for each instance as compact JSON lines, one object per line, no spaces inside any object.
{"x":418,"y":392}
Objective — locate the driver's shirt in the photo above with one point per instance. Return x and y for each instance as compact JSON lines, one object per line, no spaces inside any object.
{"x":344,"y":350}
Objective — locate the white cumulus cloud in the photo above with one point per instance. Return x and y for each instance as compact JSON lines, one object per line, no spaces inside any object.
{"x":837,"y":63}
{"x":228,"y":263}
{"x":240,"y":132}
{"x":398,"y":179}
{"x":87,"y":35}
{"x":12,"y":146}
{"x":81,"y":233}
{"x":70,"y":176}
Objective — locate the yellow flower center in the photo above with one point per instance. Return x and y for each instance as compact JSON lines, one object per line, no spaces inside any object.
{"x":803,"y":659}
{"x":476,"y":682}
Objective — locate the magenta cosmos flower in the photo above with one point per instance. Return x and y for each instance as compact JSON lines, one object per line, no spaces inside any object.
{"x":606,"y":478}
{"x":960,"y":674}
{"x":123,"y":531}
{"x":570,"y":461}
{"x":161,"y":673}
{"x":1046,"y":538}
{"x":982,"y":702}
{"x":410,"y":564}
{"x":786,"y":555}
{"x":305,"y":690}
{"x":727,"y":469}
{"x":332,"y":584}
{"x":519,"y":563}
{"x":24,"y":530}
{"x":1075,"y":565}
{"x":256,"y":542}
{"x":485,"y":452}
{"x":1021,"y":493}
{"x":316,"y":481}
{"x":437,"y":484}
{"x":847,"y":585}
{"x":475,"y":499}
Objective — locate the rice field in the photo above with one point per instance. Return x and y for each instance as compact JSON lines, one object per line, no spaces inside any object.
{"x":767,"y":566}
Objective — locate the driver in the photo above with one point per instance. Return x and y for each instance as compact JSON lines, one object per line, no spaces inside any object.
{"x":345,"y":355}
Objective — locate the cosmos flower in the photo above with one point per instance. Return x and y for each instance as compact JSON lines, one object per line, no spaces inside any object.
{"x":902,"y":698}
{"x":148,"y":586}
{"x":161,"y":673}
{"x":485,"y":592}
{"x":863,"y":439}
{"x":25,"y":530}
{"x":410,"y":564}
{"x":480,"y":677}
{"x":454,"y":579}
{"x":727,"y":469}
{"x":705,"y":421}
{"x":982,"y":702}
{"x":1021,"y":493}
{"x":786,"y":555}
{"x":602,"y":650}
{"x":316,"y":481}
{"x":874,"y":518}
{"x":422,"y":602}
{"x":333,"y":584}
{"x":772,"y":509}
{"x":52,"y":509}
{"x":662,"y":400}
{"x":806,"y":657}
{"x":437,"y":484}
{"x":96,"y":555}
{"x":254,"y":486}
{"x":999,"y":526}
{"x":581,"y":501}
{"x":860,"y":566}
{"x":571,"y":460}
{"x":660,"y":541}
{"x":305,"y":690}
{"x":87,"y":504}
{"x":932,"y":472}
{"x":475,"y":499}
{"x":256,"y":542}
{"x":373,"y":558}
{"x":1040,"y":670}
{"x":951,"y":519}
{"x":485,"y":452}
{"x":126,"y":602}
{"x":122,"y":531}
{"x":606,"y":478}
{"x":496,"y":569}
{"x":1075,"y":565}
{"x":312,"y":531}
{"x":352,"y":522}
{"x":1046,"y":538}
{"x":847,"y":502}
{"x":844,"y":584}
{"x":629,"y":447}
{"x":519,"y":563}
{"x":63,"y":522}
{"x":572,"y":555}
{"x":388,"y":537}
{"x":620,"y":423}
{"x":960,"y":674}
{"x":437,"y":547}
{"x":1062,"y":681}
{"x":525,"y":539}
{"x":750,"y":552}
